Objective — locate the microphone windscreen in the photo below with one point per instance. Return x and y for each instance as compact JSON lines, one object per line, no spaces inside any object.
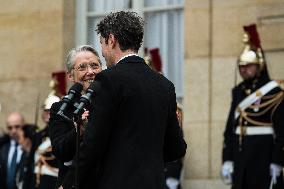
{"x":77,"y":88}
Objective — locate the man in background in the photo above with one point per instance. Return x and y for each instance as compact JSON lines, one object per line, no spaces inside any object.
{"x":25,"y":171}
{"x":11,"y":152}
{"x":174,"y":169}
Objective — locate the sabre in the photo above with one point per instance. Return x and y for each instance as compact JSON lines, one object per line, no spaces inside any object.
{"x":271,"y":183}
{"x":37,"y":109}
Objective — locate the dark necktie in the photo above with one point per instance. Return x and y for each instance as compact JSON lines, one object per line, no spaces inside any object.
{"x":11,"y":171}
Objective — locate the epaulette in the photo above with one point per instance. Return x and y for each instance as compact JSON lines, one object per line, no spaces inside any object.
{"x":281,"y":84}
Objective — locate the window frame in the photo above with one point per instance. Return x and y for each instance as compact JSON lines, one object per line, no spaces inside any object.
{"x":81,"y":23}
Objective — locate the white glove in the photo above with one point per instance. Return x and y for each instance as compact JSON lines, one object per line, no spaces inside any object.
{"x":172,"y":183}
{"x":275,"y":171}
{"x":227,"y":171}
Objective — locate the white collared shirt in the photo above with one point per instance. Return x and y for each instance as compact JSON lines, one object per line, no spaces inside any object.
{"x":12,"y":150}
{"x":132,"y":54}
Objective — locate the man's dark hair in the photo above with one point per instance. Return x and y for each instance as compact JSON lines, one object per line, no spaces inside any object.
{"x":29,"y":131}
{"x":127,"y":28}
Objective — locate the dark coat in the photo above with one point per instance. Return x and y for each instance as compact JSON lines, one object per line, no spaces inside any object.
{"x":254,"y":155}
{"x":3,"y":163}
{"x":4,"y":151}
{"x":132,"y":131}
{"x":174,"y":170}
{"x":25,"y":170}
{"x":3,"y":140}
{"x":63,"y":138}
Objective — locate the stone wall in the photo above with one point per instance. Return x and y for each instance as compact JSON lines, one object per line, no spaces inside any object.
{"x":213,"y":35}
{"x":35,"y":36}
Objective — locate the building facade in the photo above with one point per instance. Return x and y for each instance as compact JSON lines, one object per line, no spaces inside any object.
{"x":199,"y":42}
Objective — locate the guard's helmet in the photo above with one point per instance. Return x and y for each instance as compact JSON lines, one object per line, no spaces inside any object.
{"x":153,"y":59}
{"x":58,"y":83}
{"x":58,"y":89}
{"x":51,"y":98}
{"x":252,"y":53}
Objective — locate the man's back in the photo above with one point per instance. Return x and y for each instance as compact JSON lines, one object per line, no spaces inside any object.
{"x":134,"y":128}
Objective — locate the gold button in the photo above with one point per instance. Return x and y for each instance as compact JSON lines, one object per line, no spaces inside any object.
{"x":258,"y":93}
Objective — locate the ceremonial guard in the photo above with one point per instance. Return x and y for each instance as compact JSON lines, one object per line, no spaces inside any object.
{"x":172,"y":170}
{"x":46,"y":165}
{"x":253,"y":151}
{"x":153,"y":59}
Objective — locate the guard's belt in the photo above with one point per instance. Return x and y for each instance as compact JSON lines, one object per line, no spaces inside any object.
{"x":255,"y":130}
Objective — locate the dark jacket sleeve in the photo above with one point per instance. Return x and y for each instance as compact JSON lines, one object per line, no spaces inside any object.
{"x":3,"y":164}
{"x":229,"y":135}
{"x":62,"y":134}
{"x":174,"y":144}
{"x":96,"y":135}
{"x":278,"y":125}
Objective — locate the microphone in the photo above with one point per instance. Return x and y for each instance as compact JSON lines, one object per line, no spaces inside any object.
{"x":75,"y":90}
{"x":85,"y":99}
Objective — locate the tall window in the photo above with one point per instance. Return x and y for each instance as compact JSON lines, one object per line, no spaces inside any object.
{"x":163,"y":29}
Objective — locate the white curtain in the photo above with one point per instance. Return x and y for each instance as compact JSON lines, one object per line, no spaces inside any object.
{"x":163,"y":30}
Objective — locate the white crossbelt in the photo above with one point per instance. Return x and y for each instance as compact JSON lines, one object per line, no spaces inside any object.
{"x":255,"y":130}
{"x":258,"y":94}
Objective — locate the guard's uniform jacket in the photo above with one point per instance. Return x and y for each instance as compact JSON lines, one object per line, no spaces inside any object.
{"x":254,"y":136}
{"x":46,"y":165}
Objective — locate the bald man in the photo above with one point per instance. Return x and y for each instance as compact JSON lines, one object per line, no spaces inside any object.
{"x":11,"y":152}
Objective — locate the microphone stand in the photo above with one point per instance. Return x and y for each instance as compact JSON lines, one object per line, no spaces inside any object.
{"x":79,"y":122}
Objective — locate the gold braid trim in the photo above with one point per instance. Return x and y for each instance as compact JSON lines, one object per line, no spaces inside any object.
{"x":276,"y":106}
{"x":241,"y":131}
{"x":270,"y":104}
{"x":273,"y":103}
{"x":258,"y":123}
{"x":252,"y":114}
{"x":277,"y":96}
{"x":53,"y":169}
{"x":269,"y":96}
{"x":38,"y":174}
{"x":42,"y":161}
{"x":49,"y":149}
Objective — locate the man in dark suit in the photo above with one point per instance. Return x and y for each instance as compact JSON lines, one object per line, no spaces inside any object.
{"x":133,"y":128}
{"x":10,"y":152}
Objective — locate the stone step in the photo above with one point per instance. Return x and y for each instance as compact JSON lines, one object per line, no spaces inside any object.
{"x":204,"y":184}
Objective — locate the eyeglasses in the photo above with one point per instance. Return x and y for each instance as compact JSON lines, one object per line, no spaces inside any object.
{"x":83,"y":67}
{"x":10,"y":127}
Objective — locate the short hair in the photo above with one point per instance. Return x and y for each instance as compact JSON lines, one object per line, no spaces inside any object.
{"x":127,"y":28}
{"x":70,"y":59}
{"x":29,"y":131}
